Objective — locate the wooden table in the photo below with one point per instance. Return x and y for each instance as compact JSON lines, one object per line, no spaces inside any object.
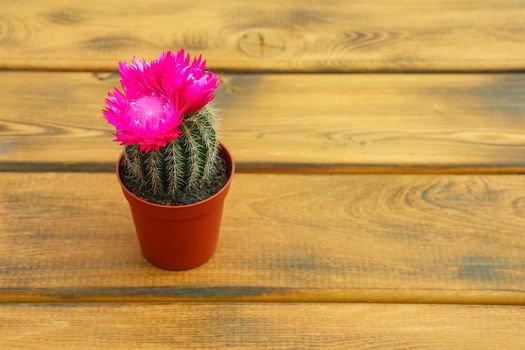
{"x":379,"y":201}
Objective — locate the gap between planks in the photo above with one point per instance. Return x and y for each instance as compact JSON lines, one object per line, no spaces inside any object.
{"x":241,"y":71}
{"x":288,"y":168}
{"x":411,"y":297}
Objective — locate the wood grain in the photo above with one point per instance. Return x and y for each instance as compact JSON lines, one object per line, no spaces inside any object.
{"x":373,"y":238}
{"x":259,"y":326}
{"x":289,"y":123}
{"x":287,"y":35}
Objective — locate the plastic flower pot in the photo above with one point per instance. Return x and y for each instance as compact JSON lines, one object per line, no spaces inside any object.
{"x":179,"y":237}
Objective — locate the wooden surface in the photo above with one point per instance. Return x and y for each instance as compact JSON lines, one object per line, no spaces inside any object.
{"x":313,"y":123}
{"x":397,"y":238}
{"x":372,"y":208}
{"x":260,"y":326}
{"x":287,"y":35}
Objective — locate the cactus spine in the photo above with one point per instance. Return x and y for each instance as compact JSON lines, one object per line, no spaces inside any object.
{"x":186,"y":163}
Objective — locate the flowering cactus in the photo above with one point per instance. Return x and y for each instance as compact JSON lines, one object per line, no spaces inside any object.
{"x":164,"y":119}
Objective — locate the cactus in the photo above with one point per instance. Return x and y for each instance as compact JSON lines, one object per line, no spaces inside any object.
{"x":186,"y":163}
{"x":164,"y":119}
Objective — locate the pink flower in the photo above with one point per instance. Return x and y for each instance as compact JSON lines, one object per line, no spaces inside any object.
{"x":156,"y":96}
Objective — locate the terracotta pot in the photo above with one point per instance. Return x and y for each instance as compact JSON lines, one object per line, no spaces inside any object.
{"x":179,"y":237}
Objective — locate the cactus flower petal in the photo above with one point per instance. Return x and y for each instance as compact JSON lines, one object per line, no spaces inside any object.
{"x":156,"y":95}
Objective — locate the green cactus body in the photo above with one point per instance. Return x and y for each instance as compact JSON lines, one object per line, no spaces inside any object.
{"x":186,"y":163}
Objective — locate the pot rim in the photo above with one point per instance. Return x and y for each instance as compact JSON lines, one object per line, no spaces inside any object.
{"x":193,"y":205}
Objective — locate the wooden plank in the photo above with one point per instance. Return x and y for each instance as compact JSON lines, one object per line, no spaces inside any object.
{"x":287,"y":35}
{"x":260,"y":326}
{"x":373,"y":238}
{"x":312,"y":123}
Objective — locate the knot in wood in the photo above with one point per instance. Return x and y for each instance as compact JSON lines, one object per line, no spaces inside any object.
{"x":261,"y":44}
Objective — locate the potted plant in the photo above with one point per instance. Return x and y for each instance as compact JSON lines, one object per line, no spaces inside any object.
{"x":173,"y":171}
